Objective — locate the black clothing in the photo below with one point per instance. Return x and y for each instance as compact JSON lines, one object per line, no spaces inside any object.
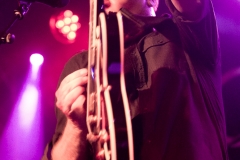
{"x":173,"y":80}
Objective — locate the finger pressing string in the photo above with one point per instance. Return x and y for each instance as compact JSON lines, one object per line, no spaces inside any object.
{"x":75,"y":74}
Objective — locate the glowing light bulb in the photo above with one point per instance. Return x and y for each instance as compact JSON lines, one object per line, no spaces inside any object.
{"x":67,"y":20}
{"x":65,"y":29}
{"x":67,"y":13}
{"x":59,"y":24}
{"x":71,"y":35}
{"x":74,"y":18}
{"x":73,"y":27}
{"x":36,"y":59}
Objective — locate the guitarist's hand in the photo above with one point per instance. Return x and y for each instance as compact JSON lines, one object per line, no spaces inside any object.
{"x":71,"y":97}
{"x":71,"y":100}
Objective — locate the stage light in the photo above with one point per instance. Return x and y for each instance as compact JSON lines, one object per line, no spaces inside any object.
{"x":73,"y":27}
{"x":65,"y":30}
{"x":36,"y":59}
{"x":67,"y":13}
{"x":28,"y":105}
{"x":67,"y":21}
{"x":65,"y":26}
{"x":71,"y":35}
{"x":25,"y":123}
{"x":59,"y":24}
{"x":74,"y":18}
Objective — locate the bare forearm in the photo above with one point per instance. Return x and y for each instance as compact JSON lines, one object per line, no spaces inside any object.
{"x":69,"y":146}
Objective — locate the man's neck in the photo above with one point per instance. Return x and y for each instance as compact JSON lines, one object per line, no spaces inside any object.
{"x":151,"y":12}
{"x":147,"y":11}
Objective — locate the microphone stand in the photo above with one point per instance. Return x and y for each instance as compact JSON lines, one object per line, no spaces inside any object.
{"x":19,"y":14}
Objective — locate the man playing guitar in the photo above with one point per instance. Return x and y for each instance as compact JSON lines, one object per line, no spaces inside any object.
{"x":173,"y":82}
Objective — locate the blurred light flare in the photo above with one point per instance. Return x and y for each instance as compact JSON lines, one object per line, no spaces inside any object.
{"x":71,"y":35}
{"x":59,"y":24}
{"x":65,"y":29}
{"x":68,"y":13}
{"x":24,"y":129}
{"x":73,"y":27}
{"x":74,"y":18}
{"x":27,"y":106}
{"x":36,"y":59}
{"x":65,"y":26}
{"x":67,"y":20}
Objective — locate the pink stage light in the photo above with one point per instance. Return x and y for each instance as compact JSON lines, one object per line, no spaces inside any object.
{"x":71,"y":35}
{"x":74,"y":18}
{"x":59,"y":24}
{"x":65,"y":26}
{"x":67,"y":13}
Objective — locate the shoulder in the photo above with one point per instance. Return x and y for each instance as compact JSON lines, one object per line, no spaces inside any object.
{"x":164,"y":31}
{"x":77,"y":61}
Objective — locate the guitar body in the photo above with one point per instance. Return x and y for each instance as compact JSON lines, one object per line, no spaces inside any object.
{"x":114,"y":74}
{"x":106,"y":52}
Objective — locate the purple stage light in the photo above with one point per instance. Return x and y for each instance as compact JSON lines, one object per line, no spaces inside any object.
{"x":36,"y":59}
{"x":28,"y":106}
{"x":24,"y":129}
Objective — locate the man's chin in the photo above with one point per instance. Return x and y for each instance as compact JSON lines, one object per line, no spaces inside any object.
{"x":110,"y":9}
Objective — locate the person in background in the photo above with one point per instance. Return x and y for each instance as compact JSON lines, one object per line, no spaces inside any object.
{"x":173,"y":82}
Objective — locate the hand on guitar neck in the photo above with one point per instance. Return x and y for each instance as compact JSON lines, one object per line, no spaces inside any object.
{"x":71,"y":98}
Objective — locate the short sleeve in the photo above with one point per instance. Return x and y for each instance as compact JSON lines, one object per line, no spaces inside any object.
{"x":78,"y":61}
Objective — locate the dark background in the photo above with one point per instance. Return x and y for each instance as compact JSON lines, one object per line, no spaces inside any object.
{"x":33,"y":35}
